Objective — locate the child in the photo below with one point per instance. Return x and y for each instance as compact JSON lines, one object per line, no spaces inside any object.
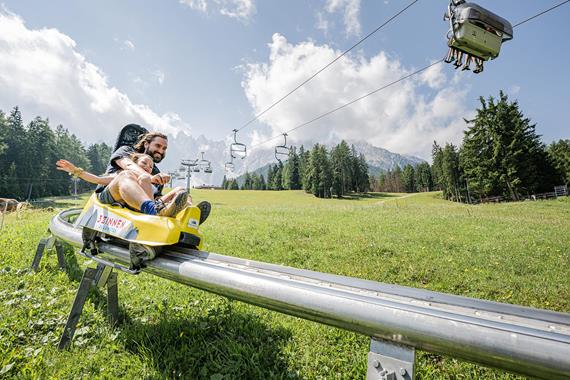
{"x":166,"y":205}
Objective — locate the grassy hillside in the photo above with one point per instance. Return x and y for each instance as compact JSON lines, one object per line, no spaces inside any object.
{"x":515,"y":253}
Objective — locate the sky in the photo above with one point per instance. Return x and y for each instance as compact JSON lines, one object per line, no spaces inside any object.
{"x":205,"y":67}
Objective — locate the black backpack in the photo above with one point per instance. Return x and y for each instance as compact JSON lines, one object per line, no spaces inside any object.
{"x":129,"y":135}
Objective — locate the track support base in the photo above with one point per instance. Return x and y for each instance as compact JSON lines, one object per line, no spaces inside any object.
{"x":390,"y":361}
{"x":43,"y":245}
{"x":92,"y":278}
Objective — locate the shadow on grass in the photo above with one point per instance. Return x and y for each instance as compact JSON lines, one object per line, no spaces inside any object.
{"x":359,"y":196}
{"x":224,"y":344}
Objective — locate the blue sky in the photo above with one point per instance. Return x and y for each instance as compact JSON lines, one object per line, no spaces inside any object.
{"x":205,"y":67}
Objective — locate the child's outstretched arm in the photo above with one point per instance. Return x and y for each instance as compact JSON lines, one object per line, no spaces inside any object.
{"x":73,"y":170}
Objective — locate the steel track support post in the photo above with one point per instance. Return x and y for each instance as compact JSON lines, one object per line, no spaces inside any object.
{"x":390,"y":361}
{"x":106,"y":276}
{"x":92,"y":278}
{"x":113,"y":299}
{"x":39,"y":253}
{"x":46,"y":244}
{"x":60,"y":254}
{"x":85,"y":285}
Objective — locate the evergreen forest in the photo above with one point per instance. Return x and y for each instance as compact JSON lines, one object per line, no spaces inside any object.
{"x":28,"y":153}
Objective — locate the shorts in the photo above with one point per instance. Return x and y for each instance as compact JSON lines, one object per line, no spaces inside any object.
{"x":105,"y":197}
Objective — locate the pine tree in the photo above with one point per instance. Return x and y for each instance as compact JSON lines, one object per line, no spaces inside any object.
{"x":559,"y":153}
{"x":304,"y":156}
{"x":437,"y":166}
{"x":293,"y":174}
{"x":17,"y":180}
{"x":452,"y":174}
{"x":262,"y":183}
{"x":99,"y":155}
{"x":270,"y":177}
{"x":502,"y":154}
{"x":423,"y":177}
{"x":247,"y":183}
{"x":408,"y":178}
{"x":277,"y":183}
{"x":363,"y":176}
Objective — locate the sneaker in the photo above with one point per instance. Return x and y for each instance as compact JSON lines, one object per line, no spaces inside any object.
{"x":205,"y":208}
{"x":159,"y":205}
{"x":175,"y":206}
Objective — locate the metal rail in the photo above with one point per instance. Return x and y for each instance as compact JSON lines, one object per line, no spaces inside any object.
{"x":519,"y":339}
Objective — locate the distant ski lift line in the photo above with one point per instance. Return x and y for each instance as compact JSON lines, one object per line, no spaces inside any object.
{"x":327,"y":65}
{"x":393,"y":83}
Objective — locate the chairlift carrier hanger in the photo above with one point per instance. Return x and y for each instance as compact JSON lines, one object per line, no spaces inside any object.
{"x":282,"y":150}
{"x":237,"y":148}
{"x":204,"y":164}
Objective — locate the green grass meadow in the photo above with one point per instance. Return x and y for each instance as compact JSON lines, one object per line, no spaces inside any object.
{"x":514,"y":253}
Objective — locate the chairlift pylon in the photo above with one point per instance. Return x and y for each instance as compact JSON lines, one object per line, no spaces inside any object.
{"x":282,"y":151}
{"x":476,"y":34}
{"x":237,"y":150}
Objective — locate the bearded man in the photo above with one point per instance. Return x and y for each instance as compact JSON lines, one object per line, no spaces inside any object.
{"x":127,"y":184}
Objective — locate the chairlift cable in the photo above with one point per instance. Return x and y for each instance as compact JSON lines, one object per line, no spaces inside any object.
{"x":541,"y":13}
{"x":328,"y":65}
{"x":353,"y":101}
{"x":392,"y":83}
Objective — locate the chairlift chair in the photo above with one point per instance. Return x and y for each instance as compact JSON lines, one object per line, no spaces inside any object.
{"x":237,"y":150}
{"x":204,"y":164}
{"x":208,"y":169}
{"x":476,"y":34}
{"x":229,"y":166}
{"x":282,"y":151}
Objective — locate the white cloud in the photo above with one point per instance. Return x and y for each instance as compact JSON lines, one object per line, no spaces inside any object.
{"x":42,"y":72}
{"x":125,"y":44}
{"x":514,"y":90}
{"x":129,"y":45}
{"x":241,"y":10}
{"x":159,"y":75}
{"x":404,"y":118}
{"x":351,"y":10}
{"x":199,"y":5}
{"x":322,"y":23}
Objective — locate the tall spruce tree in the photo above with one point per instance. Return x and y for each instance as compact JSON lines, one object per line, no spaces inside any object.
{"x":423,"y":177}
{"x":363,"y":182}
{"x":303,"y":168}
{"x":559,"y":153}
{"x":408,"y":178}
{"x":437,"y":166}
{"x":502,"y":154}
{"x":451,"y":173}
{"x":293,"y":174}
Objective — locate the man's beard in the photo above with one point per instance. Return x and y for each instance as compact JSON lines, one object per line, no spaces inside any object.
{"x":153,"y":155}
{"x":155,"y":159}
